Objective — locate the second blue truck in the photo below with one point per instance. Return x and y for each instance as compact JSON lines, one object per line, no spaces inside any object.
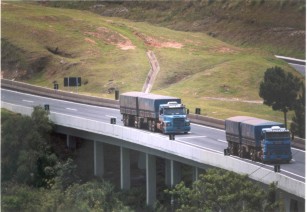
{"x":258,"y":139}
{"x":155,"y":112}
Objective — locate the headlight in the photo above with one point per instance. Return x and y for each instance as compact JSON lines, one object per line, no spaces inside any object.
{"x":187,"y":123}
{"x":168,"y":124}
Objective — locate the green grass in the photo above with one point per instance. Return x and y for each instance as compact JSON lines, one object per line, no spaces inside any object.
{"x":202,"y":67}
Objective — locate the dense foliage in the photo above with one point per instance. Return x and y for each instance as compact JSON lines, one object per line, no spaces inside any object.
{"x":34,"y":179}
{"x":299,"y":120}
{"x":220,"y":190}
{"x":279,"y":90}
{"x":26,"y":154}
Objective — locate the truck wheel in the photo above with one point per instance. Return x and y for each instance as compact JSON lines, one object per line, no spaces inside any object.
{"x":153,"y":126}
{"x":150,"y":125}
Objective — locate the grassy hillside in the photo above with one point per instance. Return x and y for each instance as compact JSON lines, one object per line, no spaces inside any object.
{"x":41,"y":45}
{"x":275,"y":25}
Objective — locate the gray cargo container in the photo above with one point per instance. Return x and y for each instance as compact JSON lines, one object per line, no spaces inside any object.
{"x":232,"y":125}
{"x":149,"y":104}
{"x":251,"y":129}
{"x":129,"y":103}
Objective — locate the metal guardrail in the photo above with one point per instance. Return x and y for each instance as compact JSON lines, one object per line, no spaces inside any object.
{"x":47,"y":92}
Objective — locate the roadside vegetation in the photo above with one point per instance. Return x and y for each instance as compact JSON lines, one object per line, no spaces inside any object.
{"x":41,"y":45}
{"x":37,"y":175}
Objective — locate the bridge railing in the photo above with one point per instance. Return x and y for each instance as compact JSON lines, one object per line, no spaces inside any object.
{"x":57,"y":94}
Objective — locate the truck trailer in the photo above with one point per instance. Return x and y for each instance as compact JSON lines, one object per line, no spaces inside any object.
{"x":258,"y":139}
{"x":155,"y":112}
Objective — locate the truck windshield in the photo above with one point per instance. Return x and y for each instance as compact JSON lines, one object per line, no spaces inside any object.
{"x":174,"y":111}
{"x":277,"y":135}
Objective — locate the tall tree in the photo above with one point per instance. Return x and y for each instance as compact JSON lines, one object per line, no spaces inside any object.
{"x":279,"y":90}
{"x":298,"y":121}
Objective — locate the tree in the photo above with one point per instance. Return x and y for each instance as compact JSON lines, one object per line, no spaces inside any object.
{"x":298,"y":121}
{"x":26,"y":154}
{"x":279,"y":90}
{"x":220,"y":190}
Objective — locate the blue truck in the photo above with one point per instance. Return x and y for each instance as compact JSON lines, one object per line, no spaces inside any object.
{"x":258,"y":139}
{"x":154,"y":112}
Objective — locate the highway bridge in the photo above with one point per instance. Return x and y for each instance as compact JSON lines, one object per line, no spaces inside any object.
{"x":202,"y":148}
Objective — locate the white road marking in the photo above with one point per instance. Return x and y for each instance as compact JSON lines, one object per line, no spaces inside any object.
{"x":222,"y":141}
{"x":110,"y":116}
{"x":71,"y":109}
{"x":201,"y":136}
{"x":24,"y":100}
{"x":282,"y":170}
{"x":208,"y":127}
{"x":201,"y":147}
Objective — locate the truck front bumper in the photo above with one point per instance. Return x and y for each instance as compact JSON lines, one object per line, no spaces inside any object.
{"x":172,"y":130}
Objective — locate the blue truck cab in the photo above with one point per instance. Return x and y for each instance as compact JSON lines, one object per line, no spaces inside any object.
{"x":173,"y":118}
{"x":276,"y":144}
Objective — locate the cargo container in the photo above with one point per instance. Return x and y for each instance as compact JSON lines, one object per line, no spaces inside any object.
{"x":258,"y":139}
{"x":155,"y":112}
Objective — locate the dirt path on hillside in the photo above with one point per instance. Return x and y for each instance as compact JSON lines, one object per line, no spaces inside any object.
{"x":234,"y":100}
{"x":153,"y":72}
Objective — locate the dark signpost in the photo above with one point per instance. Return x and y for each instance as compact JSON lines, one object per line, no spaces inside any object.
{"x":72,"y":82}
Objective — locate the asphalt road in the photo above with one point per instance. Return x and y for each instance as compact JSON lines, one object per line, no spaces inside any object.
{"x":200,"y":136}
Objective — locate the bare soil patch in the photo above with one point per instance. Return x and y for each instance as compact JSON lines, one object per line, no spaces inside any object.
{"x":111,"y":37}
{"x":154,"y":42}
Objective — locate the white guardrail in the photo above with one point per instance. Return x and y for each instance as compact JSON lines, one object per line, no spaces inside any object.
{"x":156,"y":142}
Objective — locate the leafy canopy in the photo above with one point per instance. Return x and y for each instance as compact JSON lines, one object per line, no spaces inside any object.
{"x":279,"y":90}
{"x":220,"y":190}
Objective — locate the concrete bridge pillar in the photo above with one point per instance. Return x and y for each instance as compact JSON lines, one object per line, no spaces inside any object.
{"x":195,"y":173}
{"x":70,"y":142}
{"x":293,"y":205}
{"x":98,"y":159}
{"x":150,"y":179}
{"x":172,"y":172}
{"x":124,"y":168}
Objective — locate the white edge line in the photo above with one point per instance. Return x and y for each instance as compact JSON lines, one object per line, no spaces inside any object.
{"x":296,"y":64}
{"x":201,"y":147}
{"x":208,"y":127}
{"x":201,"y":136}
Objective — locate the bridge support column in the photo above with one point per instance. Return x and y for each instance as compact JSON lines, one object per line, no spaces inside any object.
{"x":175,"y":173}
{"x":150,"y":179}
{"x":98,"y":159}
{"x":168,"y":173}
{"x":172,"y":172}
{"x":124,"y":168}
{"x":195,"y":173}
{"x":70,"y":142}
{"x":293,"y":205}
